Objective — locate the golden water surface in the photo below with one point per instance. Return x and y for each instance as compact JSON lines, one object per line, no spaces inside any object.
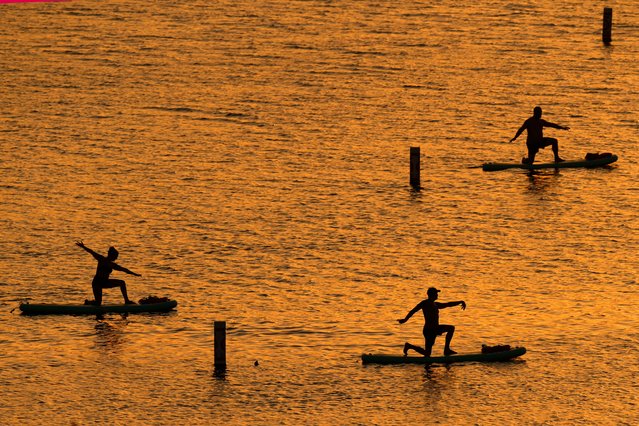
{"x":250,"y":160}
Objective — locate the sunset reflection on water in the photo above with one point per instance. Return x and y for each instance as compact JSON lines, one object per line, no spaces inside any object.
{"x":250,"y":160}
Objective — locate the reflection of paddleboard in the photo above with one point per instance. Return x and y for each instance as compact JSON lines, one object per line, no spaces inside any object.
{"x":473,"y":357}
{"x":59,"y":309}
{"x":493,"y":167}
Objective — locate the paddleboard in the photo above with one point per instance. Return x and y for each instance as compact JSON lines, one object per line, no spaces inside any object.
{"x":62,"y":309}
{"x":493,"y":167}
{"x":470,"y":357}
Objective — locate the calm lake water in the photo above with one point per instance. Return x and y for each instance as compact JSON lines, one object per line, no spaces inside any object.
{"x":250,"y":159}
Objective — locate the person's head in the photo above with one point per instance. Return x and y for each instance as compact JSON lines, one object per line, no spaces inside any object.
{"x":113,"y":253}
{"x":432,"y":293}
{"x":537,"y":112}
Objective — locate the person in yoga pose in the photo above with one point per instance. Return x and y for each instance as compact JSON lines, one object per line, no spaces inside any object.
{"x":106,"y":265}
{"x":535,"y":139}
{"x":432,"y":328}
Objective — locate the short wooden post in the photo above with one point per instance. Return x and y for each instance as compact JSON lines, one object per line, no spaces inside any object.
{"x":606,"y":33}
{"x":219,"y":337}
{"x":415,"y":167}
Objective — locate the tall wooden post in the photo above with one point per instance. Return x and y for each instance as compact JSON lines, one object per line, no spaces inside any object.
{"x":606,"y":33}
{"x":415,"y":167}
{"x":219,"y":337}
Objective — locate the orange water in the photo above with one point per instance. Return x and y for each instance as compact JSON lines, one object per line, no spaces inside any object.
{"x":250,"y":159}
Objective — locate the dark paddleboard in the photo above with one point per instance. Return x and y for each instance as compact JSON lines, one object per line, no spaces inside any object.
{"x":66,"y":309}
{"x":493,"y":167}
{"x":470,"y":357}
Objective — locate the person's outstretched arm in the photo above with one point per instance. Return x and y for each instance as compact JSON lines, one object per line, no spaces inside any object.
{"x":519,"y":132}
{"x":123,"y":269}
{"x":451,"y":304}
{"x":411,"y":313}
{"x":88,"y":250}
{"x":555,"y":126}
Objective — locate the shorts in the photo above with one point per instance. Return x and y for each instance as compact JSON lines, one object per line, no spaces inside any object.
{"x":534,"y":147}
{"x":431,"y":333}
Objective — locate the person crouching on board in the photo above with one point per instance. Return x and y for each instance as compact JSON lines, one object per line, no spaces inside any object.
{"x":432,"y":327}
{"x":106,"y":265}
{"x":535,"y":139}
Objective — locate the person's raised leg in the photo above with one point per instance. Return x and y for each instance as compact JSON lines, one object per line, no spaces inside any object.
{"x":555,"y":150}
{"x":554,"y":143}
{"x":127,"y":301}
{"x":450,"y":331}
{"x":112,"y":283}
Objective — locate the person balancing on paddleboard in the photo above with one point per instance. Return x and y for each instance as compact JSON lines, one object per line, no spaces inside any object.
{"x":536,"y":140}
{"x":106,"y":265}
{"x":432,"y":328}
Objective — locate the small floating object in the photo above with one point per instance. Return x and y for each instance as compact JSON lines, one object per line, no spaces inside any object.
{"x":470,"y":357}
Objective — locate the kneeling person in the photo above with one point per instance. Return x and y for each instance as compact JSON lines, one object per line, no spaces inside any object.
{"x":432,"y":328}
{"x":106,"y":264}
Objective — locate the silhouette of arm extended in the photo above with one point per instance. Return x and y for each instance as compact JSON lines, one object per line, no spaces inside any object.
{"x":411,"y":313}
{"x":519,"y":132}
{"x":88,"y":250}
{"x":123,"y":269}
{"x":451,"y":304}
{"x":554,"y":126}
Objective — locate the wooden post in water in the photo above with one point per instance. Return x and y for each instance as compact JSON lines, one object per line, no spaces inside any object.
{"x":606,"y":33}
{"x":219,"y":337}
{"x":414,"y":167}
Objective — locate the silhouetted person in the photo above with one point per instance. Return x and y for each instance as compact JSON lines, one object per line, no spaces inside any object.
{"x":432,"y":327}
{"x":106,"y":265}
{"x":536,"y":140}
